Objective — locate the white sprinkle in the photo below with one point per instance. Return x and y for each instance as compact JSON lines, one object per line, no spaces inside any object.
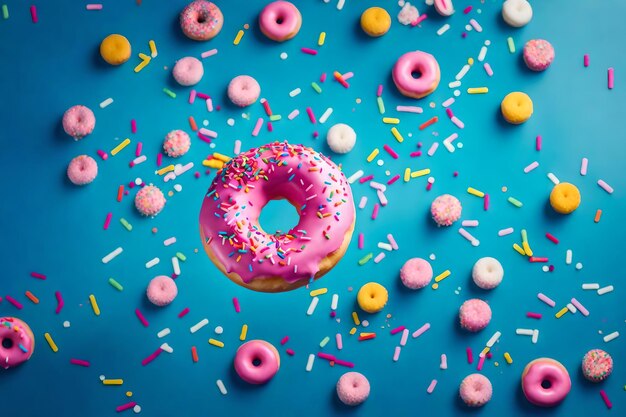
{"x":163,"y":332}
{"x":444,"y":362}
{"x":152,"y":262}
{"x":530,"y":167}
{"x":309,"y":362}
{"x":396,"y":353}
{"x":405,"y":337}
{"x":591,"y":286}
{"x":605,"y":290}
{"x":139,"y":160}
{"x":178,"y":188}
{"x":606,"y":187}
{"x":293,"y":114}
{"x":283,"y":56}
{"x":493,"y":339}
{"x":363,"y":202}
{"x":457,"y":93}
{"x":209,"y":133}
{"x":476,"y":25}
{"x":433,"y":149}
{"x":545,"y":268}
{"x":102,"y":377}
{"x":462,"y":73}
{"x":454,"y":84}
{"x":568,"y":257}
{"x":448,"y":102}
{"x":295,"y":92}
{"x":237,"y":148}
{"x":443,"y":29}
{"x":334,"y":301}
{"x":482,"y":54}
{"x":325,"y":115}
{"x":421,"y":330}
{"x":380,"y":162}
{"x":524,"y":332}
{"x":382,"y":198}
{"x":583,"y":166}
{"x":112,"y":255}
{"x":170,"y":176}
{"x":221,"y":387}
{"x":385,"y":246}
{"x":410,"y":109}
{"x":176,"y":265}
{"x":167,"y":348}
{"x":312,"y":306}
{"x":571,"y":308}
{"x":355,"y":176}
{"x":432,"y":386}
{"x":199,"y":325}
{"x":535,"y":336}
{"x":181,"y":169}
{"x":553,"y":178}
{"x":432,"y":257}
{"x":208,"y":53}
{"x":392,"y":242}
{"x":506,"y":231}
{"x":579,"y":266}
{"x":611,"y":336}
{"x":66,"y":324}
{"x":106,"y":102}
{"x":469,"y":223}
{"x":431,"y":180}
{"x":379,"y":257}
{"x":137,"y":409}
{"x":340,"y":4}
{"x":467,"y":235}
{"x":457,"y":122}
{"x":219,"y":330}
{"x":169,"y":241}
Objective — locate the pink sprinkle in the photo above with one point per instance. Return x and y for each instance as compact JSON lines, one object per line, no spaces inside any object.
{"x":421,"y":330}
{"x":309,"y":51}
{"x":416,"y":153}
{"x":133,"y":128}
{"x":486,"y":202}
{"x":390,"y":151}
{"x":159,"y":159}
{"x":455,"y":174}
{"x":80,"y":362}
{"x":236,"y":304}
{"x":449,"y":112}
{"x":141,"y":318}
{"x":183,"y":313}
{"x":470,"y":355}
{"x":394,"y":179}
{"x":580,"y":307}
{"x":309,"y":111}
{"x":481,"y":362}
{"x":192,"y":96}
{"x":315,"y":134}
{"x":284,"y":340}
{"x":467,"y":9}
{"x":94,"y":6}
{"x":375,"y":211}
{"x":208,"y":53}
{"x":138,"y":149}
{"x":203,"y":96}
{"x":290,"y":352}
{"x":606,"y":187}
{"x":429,"y":186}
{"x":533,"y":315}
{"x":361,"y":239}
{"x":586,"y":60}
{"x":464,"y":35}
{"x":339,"y":341}
{"x":398,"y":329}
{"x":33,"y":14}
{"x":208,"y":139}
{"x":348,"y":75}
{"x":552,"y":238}
{"x":326,"y":356}
{"x":396,"y":353}
{"x":487,"y":68}
{"x":419,"y":20}
{"x":610,"y":80}
{"x":103,"y":155}
{"x":107,"y":221}
{"x":379,"y":92}
{"x":489,"y":355}
{"x":433,"y":383}
{"x":366,"y":179}
{"x":125,"y":407}
{"x":546,"y":299}
{"x":37,"y":275}
{"x":538,"y":142}
{"x":13,"y":301}
{"x":152,"y":357}
{"x":583,"y":166}
{"x":344,"y":363}
{"x":392,"y":242}
{"x":606,"y":400}
{"x":323,"y":77}
{"x":60,"y":302}
{"x":257,"y":127}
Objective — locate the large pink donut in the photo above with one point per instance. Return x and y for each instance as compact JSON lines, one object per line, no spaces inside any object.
{"x":257,"y":361}
{"x":424,"y":64}
{"x":16,"y":342}
{"x":545,"y":382}
{"x":201,"y":20}
{"x":280,"y":21}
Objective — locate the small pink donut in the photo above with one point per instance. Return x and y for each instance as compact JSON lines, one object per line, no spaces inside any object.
{"x":417,"y":62}
{"x":149,"y":200}
{"x":475,"y":390}
{"x":201,"y":20}
{"x":82,"y":170}
{"x":446,"y":209}
{"x":416,"y":273}
{"x":176,"y":143}
{"x":257,"y":361}
{"x":538,"y":54}
{"x":353,"y":388}
{"x":17,"y":342}
{"x":280,"y":21}
{"x":162,"y":290}
{"x":243,"y":90}
{"x":597,"y":365}
{"x":188,"y":71}
{"x":545,"y":382}
{"x":474,"y":315}
{"x":78,"y":121}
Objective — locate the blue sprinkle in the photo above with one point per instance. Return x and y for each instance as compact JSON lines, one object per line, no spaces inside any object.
{"x":291,"y":177}
{"x":250,"y":267}
{"x":242,"y":251}
{"x":230,"y":255}
{"x":23,"y":348}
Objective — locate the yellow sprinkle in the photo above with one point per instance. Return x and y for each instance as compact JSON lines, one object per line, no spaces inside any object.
{"x":142,"y":64}
{"x":355,"y":317}
{"x":519,"y":249}
{"x":445,"y":274}
{"x":371,"y":157}
{"x":435,"y":286}
{"x":321,"y":39}
{"x":320,"y":291}
{"x":113,"y":381}
{"x":508,"y":358}
{"x":221,"y":157}
{"x":474,"y":191}
{"x":397,"y":135}
{"x":213,"y":163}
{"x":165,"y":170}
{"x":477,"y":90}
{"x":144,"y":57}
{"x":53,"y":345}
{"x":527,"y":249}
{"x":561,"y":312}
{"x":365,"y":334}
{"x":94,"y":305}
{"x":470,"y":61}
{"x":153,"y":50}
{"x":238,"y":37}
{"x":496,"y":364}
{"x":420,"y":173}
{"x":353,"y":330}
{"x":391,"y":120}
{"x":129,"y":393}
{"x":119,"y":147}
{"x":407,"y":174}
{"x":217,"y":343}
{"x":484,"y":351}
{"x":244,"y":332}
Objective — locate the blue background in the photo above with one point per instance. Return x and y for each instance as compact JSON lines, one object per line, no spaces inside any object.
{"x":53,"y":227}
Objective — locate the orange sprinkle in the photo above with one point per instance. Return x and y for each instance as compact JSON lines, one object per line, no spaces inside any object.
{"x":367,"y":336}
{"x":598,"y":215}
{"x":238,"y":258}
{"x":120,"y":193}
{"x":429,"y":122}
{"x":32,"y":297}
{"x":194,"y":354}
{"x":192,"y":123}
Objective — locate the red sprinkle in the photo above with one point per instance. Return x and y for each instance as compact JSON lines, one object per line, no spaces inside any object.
{"x":309,"y":111}
{"x":366,"y":337}
{"x":419,"y":20}
{"x":33,"y":14}
{"x":37,"y":275}
{"x":552,"y":238}
{"x":533,"y":315}
{"x":120,"y":192}
{"x":159,"y":159}
{"x":379,"y":91}
{"x":323,"y":77}
{"x":537,"y":259}
{"x":266,"y":106}
{"x":183,"y":313}
{"x":141,"y":318}
{"x":429,"y":122}
{"x":103,"y":155}
{"x":467,"y":9}
{"x":449,"y":112}
{"x":270,"y":128}
{"x":236,"y":304}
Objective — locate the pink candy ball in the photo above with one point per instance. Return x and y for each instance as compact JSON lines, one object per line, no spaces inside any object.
{"x":416,"y":273}
{"x":176,"y":143}
{"x":188,"y":71}
{"x":446,"y":209}
{"x":243,"y":90}
{"x":353,"y":388}
{"x":162,"y":290}
{"x":474,"y":315}
{"x":149,"y":200}
{"x":82,"y":170}
{"x":475,"y":390}
{"x":538,"y":54}
{"x":78,"y":121}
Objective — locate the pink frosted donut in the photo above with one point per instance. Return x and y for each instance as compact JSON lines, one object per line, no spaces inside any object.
{"x":243,"y":90}
{"x":416,"y":273}
{"x":176,"y":143}
{"x":475,"y":390}
{"x":78,"y":121}
{"x":82,"y":170}
{"x":597,"y":365}
{"x":149,"y":200}
{"x":353,"y":388}
{"x":201,"y":20}
{"x":538,"y":54}
{"x":188,"y":71}
{"x":545,"y":382}
{"x":474,"y":315}
{"x":446,"y":209}
{"x":426,"y":68}
{"x":162,"y":290}
{"x":17,"y":342}
{"x":280,"y":21}
{"x":257,"y":361}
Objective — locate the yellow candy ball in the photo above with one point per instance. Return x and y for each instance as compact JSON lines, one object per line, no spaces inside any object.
{"x":372,"y":297}
{"x":565,"y":198}
{"x":115,"y":49}
{"x":375,"y":21}
{"x":516,"y":107}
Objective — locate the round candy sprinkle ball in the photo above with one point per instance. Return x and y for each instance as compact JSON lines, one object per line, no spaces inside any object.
{"x":149,"y":200}
{"x":353,"y":388}
{"x":446,"y":209}
{"x":176,"y":143}
{"x":82,"y":170}
{"x":538,"y":54}
{"x":597,"y":365}
{"x":78,"y":121}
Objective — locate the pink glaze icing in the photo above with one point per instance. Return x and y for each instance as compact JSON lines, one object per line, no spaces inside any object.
{"x":78,"y":121}
{"x":176,"y":143}
{"x":201,"y":20}
{"x":16,"y":343}
{"x":149,"y":200}
{"x":229,"y":218}
{"x":416,"y":273}
{"x":82,"y":170}
{"x":538,"y":54}
{"x":353,"y":388}
{"x":417,"y":61}
{"x":546,"y":371}
{"x":446,"y":209}
{"x":188,"y":71}
{"x":162,"y":290}
{"x":597,"y":365}
{"x":475,"y":390}
{"x":257,"y":361}
{"x":474,"y":315}
{"x":243,"y":90}
{"x":280,"y":21}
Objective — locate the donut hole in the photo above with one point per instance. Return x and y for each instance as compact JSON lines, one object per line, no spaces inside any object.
{"x":416,"y":74}
{"x":202,"y":18}
{"x":280,"y":20}
{"x":256,"y":362}
{"x":278,"y":217}
{"x":546,"y":384}
{"x":7,"y":343}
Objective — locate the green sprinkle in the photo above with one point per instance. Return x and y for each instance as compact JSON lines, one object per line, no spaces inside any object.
{"x":127,"y":225}
{"x":116,"y":284}
{"x":180,"y":256}
{"x":275,"y":117}
{"x":524,"y":235}
{"x":365,"y":259}
{"x":169,"y":92}
{"x":324,"y":341}
{"x":5,"y":11}
{"x":381,"y":105}
{"x":316,"y":87}
{"x":515,"y":202}
{"x":509,"y":40}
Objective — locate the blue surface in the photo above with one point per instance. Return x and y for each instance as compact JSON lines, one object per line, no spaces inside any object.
{"x":55,"y":228}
